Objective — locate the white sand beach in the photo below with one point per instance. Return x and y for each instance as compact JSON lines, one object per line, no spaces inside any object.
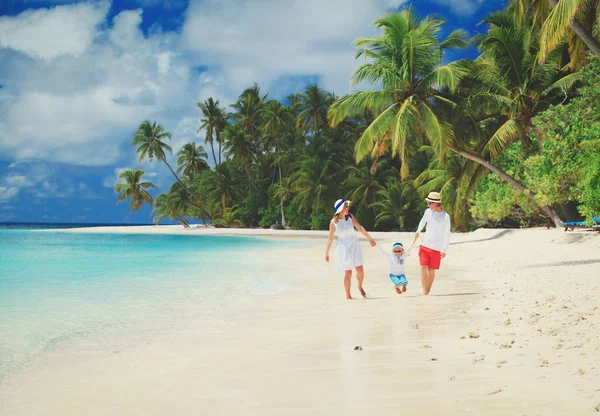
{"x":512,"y":326}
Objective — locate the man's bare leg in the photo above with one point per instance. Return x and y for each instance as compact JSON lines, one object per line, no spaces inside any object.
{"x":347,"y":281}
{"x":425,"y":279}
{"x":360,"y":276}
{"x":430,"y":280}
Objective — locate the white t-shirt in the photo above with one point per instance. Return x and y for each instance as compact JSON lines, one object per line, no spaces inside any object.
{"x":437,"y":234}
{"x":396,"y":263}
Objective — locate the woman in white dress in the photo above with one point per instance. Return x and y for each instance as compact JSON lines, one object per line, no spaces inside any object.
{"x":348,"y":254}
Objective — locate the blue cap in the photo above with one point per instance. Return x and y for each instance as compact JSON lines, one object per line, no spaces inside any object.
{"x":397,"y":245}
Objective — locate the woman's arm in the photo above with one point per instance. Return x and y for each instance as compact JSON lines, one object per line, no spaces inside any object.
{"x":329,"y":240}
{"x":363,"y":231}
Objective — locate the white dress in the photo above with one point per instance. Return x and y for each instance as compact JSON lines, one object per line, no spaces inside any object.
{"x":348,"y":253}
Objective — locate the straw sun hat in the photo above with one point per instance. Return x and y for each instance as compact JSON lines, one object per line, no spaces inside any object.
{"x":339,"y":205}
{"x":434,"y":197}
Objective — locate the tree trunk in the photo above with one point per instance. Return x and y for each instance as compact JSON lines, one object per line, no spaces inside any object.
{"x":515,"y":183}
{"x":201,"y":206}
{"x":220,"y":145}
{"x":250,"y":177}
{"x":212,"y":148}
{"x":281,"y":201}
{"x":183,"y":221}
{"x":584,"y":34}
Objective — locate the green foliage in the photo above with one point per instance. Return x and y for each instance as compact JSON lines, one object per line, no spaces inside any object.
{"x":568,"y":167}
{"x":495,"y":201}
{"x":431,"y":126}
{"x":320,"y":222}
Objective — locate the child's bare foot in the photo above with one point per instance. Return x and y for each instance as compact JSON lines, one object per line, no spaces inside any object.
{"x":348,"y":297}
{"x":362,"y":292}
{"x":403,"y":288}
{"x":398,"y":290}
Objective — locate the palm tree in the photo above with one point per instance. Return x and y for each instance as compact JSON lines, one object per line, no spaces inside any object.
{"x":214,"y":123}
{"x":313,"y":105}
{"x":317,"y":183}
{"x":249,"y":109}
{"x":571,"y":13}
{"x":191,"y":160}
{"x":151,"y":141}
{"x":365,"y":184}
{"x":228,"y":218}
{"x":134,"y":189}
{"x":223,"y":185}
{"x":396,"y":203}
{"x":166,"y":206}
{"x":406,"y":60}
{"x":285,"y":191}
{"x":454,"y":177}
{"x":510,"y":89}
{"x":553,"y":17}
{"x":238,"y":146}
{"x":278,"y":121}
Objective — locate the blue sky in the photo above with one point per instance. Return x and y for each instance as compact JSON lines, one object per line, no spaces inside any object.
{"x":77,"y":78}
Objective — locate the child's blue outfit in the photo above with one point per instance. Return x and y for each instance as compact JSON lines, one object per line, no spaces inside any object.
{"x":396,"y":266}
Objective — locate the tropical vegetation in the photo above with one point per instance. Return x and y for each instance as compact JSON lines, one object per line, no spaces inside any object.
{"x":510,"y":138}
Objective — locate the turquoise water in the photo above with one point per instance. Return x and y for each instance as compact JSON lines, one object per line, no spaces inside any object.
{"x":58,"y":287}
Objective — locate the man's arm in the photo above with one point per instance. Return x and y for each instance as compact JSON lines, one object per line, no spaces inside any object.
{"x":422,"y":224}
{"x":447,"y":227}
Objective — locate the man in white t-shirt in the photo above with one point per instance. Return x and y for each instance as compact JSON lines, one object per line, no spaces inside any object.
{"x":436,"y":240}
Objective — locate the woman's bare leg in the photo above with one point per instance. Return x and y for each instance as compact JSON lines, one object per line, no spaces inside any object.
{"x":360,"y":276}
{"x":347,"y":281}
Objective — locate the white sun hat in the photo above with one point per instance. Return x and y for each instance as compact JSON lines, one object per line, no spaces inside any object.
{"x":434,"y":197}
{"x":339,"y":205}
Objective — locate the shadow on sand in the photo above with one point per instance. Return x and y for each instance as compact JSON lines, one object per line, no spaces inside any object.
{"x":565,"y":263}
{"x":499,"y":235}
{"x":458,"y":294}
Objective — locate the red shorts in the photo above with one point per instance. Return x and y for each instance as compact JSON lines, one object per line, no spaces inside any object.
{"x":430,"y":258}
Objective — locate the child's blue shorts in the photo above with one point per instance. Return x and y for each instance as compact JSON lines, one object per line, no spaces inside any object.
{"x":398,"y":280}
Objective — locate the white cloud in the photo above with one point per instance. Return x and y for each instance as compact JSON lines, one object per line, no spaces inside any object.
{"x":8,"y":193}
{"x":265,"y":39}
{"x":87,"y":106}
{"x":79,"y":102}
{"x":48,"y":33}
{"x":27,"y":174}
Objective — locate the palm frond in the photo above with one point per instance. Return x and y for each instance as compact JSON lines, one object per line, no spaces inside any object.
{"x":357,"y":103}
{"x":556,"y":25}
{"x":507,"y":133}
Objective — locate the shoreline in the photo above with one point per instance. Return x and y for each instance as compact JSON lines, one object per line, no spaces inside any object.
{"x":511,"y":327}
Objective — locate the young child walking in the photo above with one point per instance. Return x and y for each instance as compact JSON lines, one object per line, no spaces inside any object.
{"x":396,"y":259}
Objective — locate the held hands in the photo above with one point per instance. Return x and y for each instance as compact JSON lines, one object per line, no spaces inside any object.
{"x":416,"y":237}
